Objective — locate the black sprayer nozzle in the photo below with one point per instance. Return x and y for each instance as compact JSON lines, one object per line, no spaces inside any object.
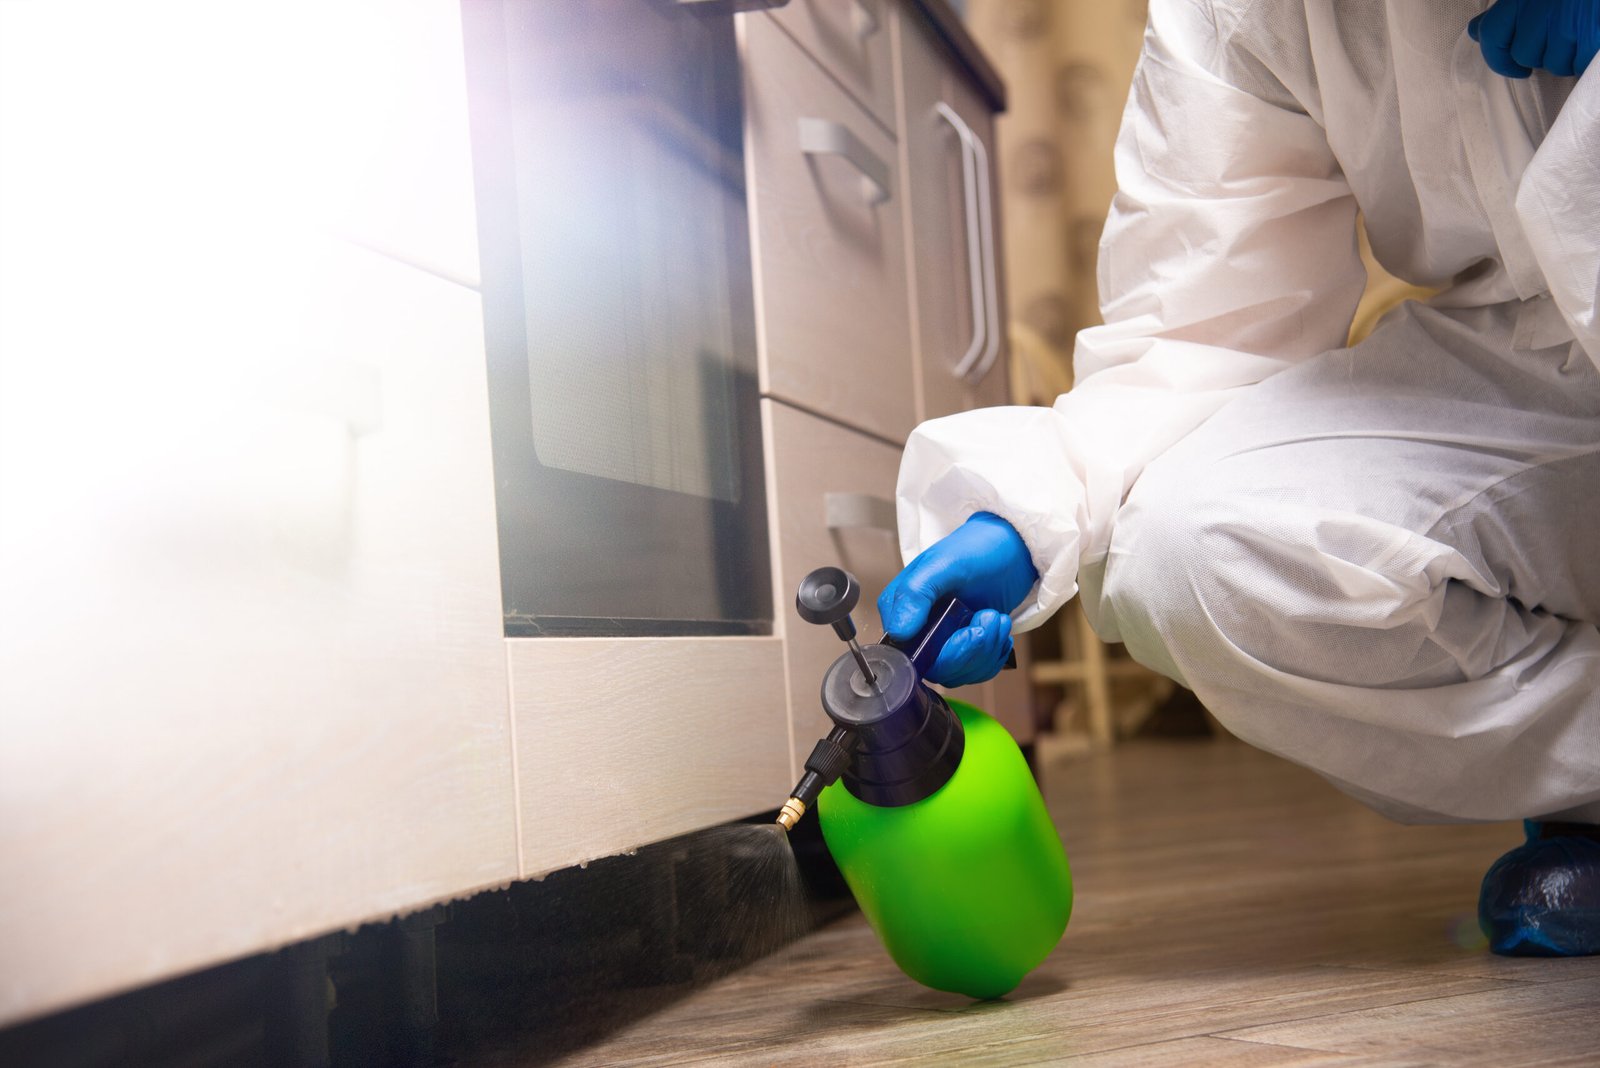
{"x":823,"y":768}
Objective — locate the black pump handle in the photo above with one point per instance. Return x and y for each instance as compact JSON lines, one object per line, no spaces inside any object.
{"x":945,"y":618}
{"x":828,"y":595}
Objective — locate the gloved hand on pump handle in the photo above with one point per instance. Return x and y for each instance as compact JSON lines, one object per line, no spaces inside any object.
{"x":985,"y":564}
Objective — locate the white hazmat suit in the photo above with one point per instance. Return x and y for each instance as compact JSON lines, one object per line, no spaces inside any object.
{"x":1380,"y":561}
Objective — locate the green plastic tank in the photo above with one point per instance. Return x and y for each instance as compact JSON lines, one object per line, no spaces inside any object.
{"x":968,"y":888}
{"x":930,"y":811}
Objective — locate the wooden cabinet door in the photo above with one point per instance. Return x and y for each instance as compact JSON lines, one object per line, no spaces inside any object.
{"x":952,"y":221}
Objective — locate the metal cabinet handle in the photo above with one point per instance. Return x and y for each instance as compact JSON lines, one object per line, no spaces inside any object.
{"x":975,"y":264}
{"x":824,"y":137}
{"x":848,"y":510}
{"x":991,"y":284}
{"x":865,"y":19}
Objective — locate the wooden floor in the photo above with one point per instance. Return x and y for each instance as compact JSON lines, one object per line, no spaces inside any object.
{"x":1231,"y":909}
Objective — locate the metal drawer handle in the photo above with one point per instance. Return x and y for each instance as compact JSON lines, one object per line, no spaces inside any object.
{"x":975,"y":271}
{"x":865,"y":19}
{"x":824,"y":137}
{"x":849,"y":510}
{"x":984,"y":350}
{"x":991,"y":284}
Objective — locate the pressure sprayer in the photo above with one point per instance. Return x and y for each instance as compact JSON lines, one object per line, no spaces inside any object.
{"x":937,"y":826}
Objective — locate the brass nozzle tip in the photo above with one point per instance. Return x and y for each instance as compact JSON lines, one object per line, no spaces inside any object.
{"x":791,"y":812}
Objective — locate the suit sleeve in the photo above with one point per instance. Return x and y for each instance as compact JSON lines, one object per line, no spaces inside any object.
{"x":1229,"y":254}
{"x":1558,"y":203}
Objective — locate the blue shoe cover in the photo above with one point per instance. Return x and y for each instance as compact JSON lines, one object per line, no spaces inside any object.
{"x":1542,"y":899}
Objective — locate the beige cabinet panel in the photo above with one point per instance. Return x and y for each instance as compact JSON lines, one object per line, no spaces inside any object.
{"x":626,"y":741}
{"x":828,"y":242}
{"x":850,"y":38}
{"x":252,"y":677}
{"x":952,"y":234}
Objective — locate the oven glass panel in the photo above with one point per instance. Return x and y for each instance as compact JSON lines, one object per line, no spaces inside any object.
{"x":619,"y":320}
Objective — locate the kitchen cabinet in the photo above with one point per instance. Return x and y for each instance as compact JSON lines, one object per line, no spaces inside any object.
{"x":257,"y":680}
{"x":845,"y":383}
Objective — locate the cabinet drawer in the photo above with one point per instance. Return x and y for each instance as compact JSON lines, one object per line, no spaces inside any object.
{"x":828,"y":242}
{"x":812,"y":459}
{"x":851,"y":39}
{"x":952,"y":215}
{"x":821,"y":472}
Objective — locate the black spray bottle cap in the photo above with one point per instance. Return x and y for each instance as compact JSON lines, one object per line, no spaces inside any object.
{"x":907,"y":740}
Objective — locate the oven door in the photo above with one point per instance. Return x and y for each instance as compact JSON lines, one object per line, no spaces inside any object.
{"x":608,"y":156}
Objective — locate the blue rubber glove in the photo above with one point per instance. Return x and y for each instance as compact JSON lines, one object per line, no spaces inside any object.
{"x":1560,"y":36}
{"x":985,"y":563}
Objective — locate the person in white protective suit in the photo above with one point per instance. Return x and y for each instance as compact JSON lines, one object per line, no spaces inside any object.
{"x":1378,"y":561}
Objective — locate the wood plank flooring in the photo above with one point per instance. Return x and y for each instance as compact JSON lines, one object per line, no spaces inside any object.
{"x":1231,"y":909}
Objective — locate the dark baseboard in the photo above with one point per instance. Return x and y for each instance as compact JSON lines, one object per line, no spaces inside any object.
{"x":544,"y":967}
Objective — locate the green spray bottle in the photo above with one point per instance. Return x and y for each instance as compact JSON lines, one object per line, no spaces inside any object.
{"x":929,"y":809}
